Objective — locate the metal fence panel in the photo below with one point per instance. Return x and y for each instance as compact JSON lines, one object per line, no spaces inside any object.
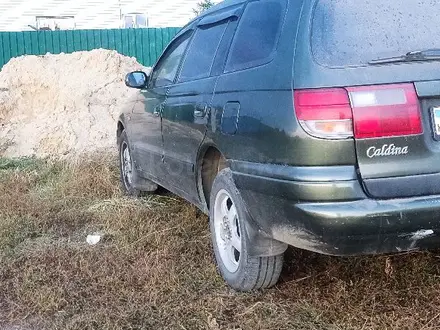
{"x":144,"y":44}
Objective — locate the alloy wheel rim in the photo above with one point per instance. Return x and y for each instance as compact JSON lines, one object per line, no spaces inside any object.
{"x":227,"y":231}
{"x":127,"y":168}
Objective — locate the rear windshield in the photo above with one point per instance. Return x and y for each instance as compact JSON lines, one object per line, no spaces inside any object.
{"x":347,"y":32}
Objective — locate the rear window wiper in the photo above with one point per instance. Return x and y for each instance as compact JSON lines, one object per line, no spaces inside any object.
{"x":414,"y":56}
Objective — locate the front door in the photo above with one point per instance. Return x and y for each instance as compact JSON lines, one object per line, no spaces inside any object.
{"x":146,"y":131}
{"x":147,"y":114}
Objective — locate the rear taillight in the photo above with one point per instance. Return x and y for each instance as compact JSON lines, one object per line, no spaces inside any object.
{"x":362,"y":112}
{"x":385,"y":111}
{"x":325,"y":113}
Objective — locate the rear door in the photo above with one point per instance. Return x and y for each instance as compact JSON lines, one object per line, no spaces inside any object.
{"x":186,"y":112}
{"x":395,"y":104}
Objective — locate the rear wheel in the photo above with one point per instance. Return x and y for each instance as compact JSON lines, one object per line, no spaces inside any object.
{"x":228,"y":217}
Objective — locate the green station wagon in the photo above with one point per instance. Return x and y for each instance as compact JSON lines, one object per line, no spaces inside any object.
{"x":309,"y":123}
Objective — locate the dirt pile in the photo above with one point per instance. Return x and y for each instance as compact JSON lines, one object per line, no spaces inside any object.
{"x":62,"y":105}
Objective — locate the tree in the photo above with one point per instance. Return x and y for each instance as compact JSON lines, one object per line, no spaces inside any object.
{"x":202,"y":6}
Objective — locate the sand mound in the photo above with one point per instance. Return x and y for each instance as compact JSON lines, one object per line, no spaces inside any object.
{"x":62,"y":105}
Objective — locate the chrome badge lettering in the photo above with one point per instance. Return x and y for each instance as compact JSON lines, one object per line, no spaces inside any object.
{"x":387,"y":150}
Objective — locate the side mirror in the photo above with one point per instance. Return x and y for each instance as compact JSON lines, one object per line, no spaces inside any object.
{"x":136,"y":79}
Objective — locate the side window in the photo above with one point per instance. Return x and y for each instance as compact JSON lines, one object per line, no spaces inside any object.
{"x":202,"y":51}
{"x":257,"y":35}
{"x":165,"y":71}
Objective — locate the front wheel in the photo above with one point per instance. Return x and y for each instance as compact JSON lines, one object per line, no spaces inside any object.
{"x":228,"y":217}
{"x":126,"y":167}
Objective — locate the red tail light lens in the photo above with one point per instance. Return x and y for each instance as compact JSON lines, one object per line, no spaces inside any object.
{"x":325,"y":113}
{"x":385,"y":111}
{"x":362,"y":112}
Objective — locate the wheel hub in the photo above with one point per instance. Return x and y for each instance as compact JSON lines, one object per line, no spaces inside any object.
{"x":226,"y":230}
{"x":127,"y":170}
{"x":227,"y":227}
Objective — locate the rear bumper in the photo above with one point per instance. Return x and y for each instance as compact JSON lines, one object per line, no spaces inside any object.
{"x":325,"y":210}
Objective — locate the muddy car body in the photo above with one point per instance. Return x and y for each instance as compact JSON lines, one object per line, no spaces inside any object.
{"x":321,"y":125}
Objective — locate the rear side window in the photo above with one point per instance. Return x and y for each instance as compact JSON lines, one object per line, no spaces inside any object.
{"x":257,"y":35}
{"x":166,"y":69}
{"x":347,"y":32}
{"x":202,"y":51}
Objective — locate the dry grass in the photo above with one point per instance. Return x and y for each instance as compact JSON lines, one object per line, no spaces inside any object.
{"x":154,"y":269}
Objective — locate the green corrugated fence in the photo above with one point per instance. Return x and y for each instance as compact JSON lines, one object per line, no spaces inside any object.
{"x":144,"y":44}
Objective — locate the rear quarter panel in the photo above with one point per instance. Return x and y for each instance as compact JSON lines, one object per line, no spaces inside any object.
{"x":267,"y":129}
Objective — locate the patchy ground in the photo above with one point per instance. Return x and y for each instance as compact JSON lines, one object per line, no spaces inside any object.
{"x":154,"y":269}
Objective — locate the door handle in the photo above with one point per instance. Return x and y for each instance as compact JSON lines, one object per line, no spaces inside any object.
{"x":158,"y":110}
{"x":201,"y":110}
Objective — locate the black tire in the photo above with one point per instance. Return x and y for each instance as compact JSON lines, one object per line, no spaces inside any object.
{"x":253,"y":273}
{"x":126,"y":184}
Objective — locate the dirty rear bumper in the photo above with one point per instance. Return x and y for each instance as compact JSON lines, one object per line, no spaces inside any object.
{"x":326,"y":211}
{"x":364,"y":227}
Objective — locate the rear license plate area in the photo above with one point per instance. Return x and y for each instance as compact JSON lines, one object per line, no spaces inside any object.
{"x":435,"y":116}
